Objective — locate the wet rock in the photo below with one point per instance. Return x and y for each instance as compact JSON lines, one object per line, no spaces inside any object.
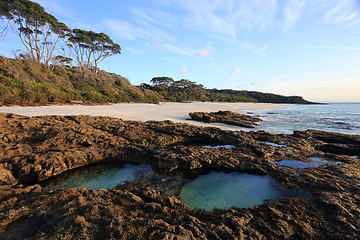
{"x":227,"y":117}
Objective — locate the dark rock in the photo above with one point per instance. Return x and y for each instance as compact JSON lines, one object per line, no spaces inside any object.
{"x":226,"y":117}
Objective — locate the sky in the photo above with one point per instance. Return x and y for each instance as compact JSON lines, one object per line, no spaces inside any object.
{"x":309,"y":48}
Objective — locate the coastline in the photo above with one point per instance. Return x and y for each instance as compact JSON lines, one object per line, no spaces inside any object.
{"x":176,"y":112}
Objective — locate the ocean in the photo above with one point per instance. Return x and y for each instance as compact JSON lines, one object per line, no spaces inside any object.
{"x":334,"y":117}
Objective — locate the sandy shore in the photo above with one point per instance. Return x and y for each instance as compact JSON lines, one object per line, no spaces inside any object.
{"x":177,"y":112}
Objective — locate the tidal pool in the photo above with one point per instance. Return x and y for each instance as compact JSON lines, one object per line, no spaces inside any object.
{"x":98,"y":177}
{"x":220,"y":146}
{"x":312,"y":163}
{"x":226,"y":190}
{"x":214,"y":190}
{"x":275,"y":144}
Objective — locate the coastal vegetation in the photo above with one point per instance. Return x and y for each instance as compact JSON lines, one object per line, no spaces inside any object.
{"x":24,"y":82}
{"x":185,"y":90}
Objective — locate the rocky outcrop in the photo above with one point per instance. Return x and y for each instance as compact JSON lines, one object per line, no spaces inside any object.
{"x":227,"y":117}
{"x":35,"y":149}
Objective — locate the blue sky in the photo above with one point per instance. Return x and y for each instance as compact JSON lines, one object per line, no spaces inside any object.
{"x":297,"y":47}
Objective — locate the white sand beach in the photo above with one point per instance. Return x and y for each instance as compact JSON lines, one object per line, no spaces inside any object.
{"x":176,"y":112}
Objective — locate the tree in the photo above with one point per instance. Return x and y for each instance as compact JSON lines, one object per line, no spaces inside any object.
{"x":89,"y":48}
{"x":38,"y":30}
{"x":162,"y":82}
{"x":4,"y":23}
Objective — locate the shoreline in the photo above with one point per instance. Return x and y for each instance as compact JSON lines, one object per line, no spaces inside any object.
{"x":176,"y":112}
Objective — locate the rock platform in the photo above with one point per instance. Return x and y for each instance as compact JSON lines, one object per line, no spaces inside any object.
{"x":34,"y":149}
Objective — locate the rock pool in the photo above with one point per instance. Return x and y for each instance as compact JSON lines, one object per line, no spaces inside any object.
{"x":97,"y":177}
{"x":214,"y":190}
{"x":311,"y":163}
{"x":222,"y":190}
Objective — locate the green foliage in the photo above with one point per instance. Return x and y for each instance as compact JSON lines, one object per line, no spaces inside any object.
{"x":90,"y":48}
{"x":38,"y":30}
{"x":4,"y":23}
{"x":185,"y":90}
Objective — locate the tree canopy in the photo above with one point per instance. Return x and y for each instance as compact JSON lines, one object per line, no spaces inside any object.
{"x":162,"y":82}
{"x":38,"y":30}
{"x":41,"y":34}
{"x":90,"y":48}
{"x":4,"y":23}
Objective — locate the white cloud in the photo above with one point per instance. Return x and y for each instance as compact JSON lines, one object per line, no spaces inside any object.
{"x":346,"y":18}
{"x":182,"y":50}
{"x":340,"y":9}
{"x":228,"y":17}
{"x":184,"y":70}
{"x":292,"y":13}
{"x":236,"y":70}
{"x":202,"y":53}
{"x":255,"y":83}
{"x":140,"y":13}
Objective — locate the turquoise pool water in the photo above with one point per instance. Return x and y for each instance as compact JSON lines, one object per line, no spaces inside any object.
{"x":226,"y":190}
{"x":214,"y":190}
{"x":99,"y":177}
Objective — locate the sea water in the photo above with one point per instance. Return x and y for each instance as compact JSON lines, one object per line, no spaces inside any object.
{"x":334,"y":117}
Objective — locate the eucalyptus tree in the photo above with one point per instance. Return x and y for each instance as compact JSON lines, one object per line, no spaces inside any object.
{"x":4,"y":23}
{"x":90,"y":48}
{"x":162,"y":82}
{"x":38,"y":30}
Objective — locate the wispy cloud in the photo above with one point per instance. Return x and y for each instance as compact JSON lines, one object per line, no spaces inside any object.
{"x":128,"y":31}
{"x":122,"y":29}
{"x":339,"y":11}
{"x":224,"y":20}
{"x":228,"y":17}
{"x":178,"y":49}
{"x":346,"y":18}
{"x":292,"y":12}
{"x":255,"y":83}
